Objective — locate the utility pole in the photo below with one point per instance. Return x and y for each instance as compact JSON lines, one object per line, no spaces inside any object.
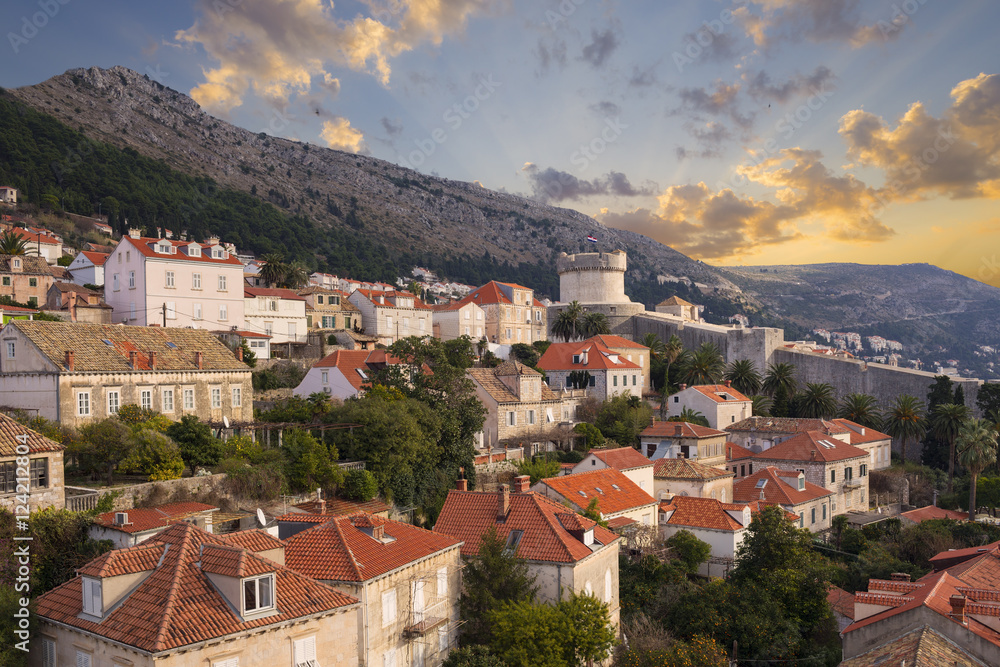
{"x":164,"y":314}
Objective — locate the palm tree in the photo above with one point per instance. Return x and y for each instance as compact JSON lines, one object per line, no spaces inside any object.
{"x":861,"y":409}
{"x":977,"y":448}
{"x":905,"y":421}
{"x":594,"y":324}
{"x":12,"y":244}
{"x":946,"y":420}
{"x":817,"y":401}
{"x":272,"y":270}
{"x":761,"y":405}
{"x":296,"y":275}
{"x":655,"y":345}
{"x":780,"y":375}
{"x":690,"y":416}
{"x":565,"y":326}
{"x":672,"y":351}
{"x":704,"y":366}
{"x":743,"y":376}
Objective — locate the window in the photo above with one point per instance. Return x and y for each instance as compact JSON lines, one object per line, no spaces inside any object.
{"x":39,"y":471}
{"x":128,"y":255}
{"x":325,"y":377}
{"x":223,"y":312}
{"x":146,"y":399}
{"x":442,"y":582}
{"x":593,"y":381}
{"x":216,"y":397}
{"x":33,"y":301}
{"x":443,"y":639}
{"x":189,"y":399}
{"x":588,"y":589}
{"x":327,"y":322}
{"x":848,"y":474}
{"x":389,"y":609}
{"x":92,"y":603}
{"x":389,"y":658}
{"x":237,"y":397}
{"x":32,"y":282}
{"x":305,"y":650}
{"x":347,"y":322}
{"x":863,"y":470}
{"x":258,"y":593}
{"x":268,"y":328}
{"x":8,"y":477}
{"x":222,"y":283}
{"x":171,"y":310}
{"x":319,"y":299}
{"x":131,"y":311}
{"x":168,"y":400}
{"x":227,"y":662}
{"x":48,"y":652}
{"x":802,"y":517}
{"x":83,"y":659}
{"x":531,"y":417}
{"x":196,"y":281}
{"x":814,"y":515}
{"x":131,"y":280}
{"x":197,"y":311}
{"x":83,"y":404}
{"x":614,"y":380}
{"x":607,"y":586}
{"x":677,"y":399}
{"x":114,"y":401}
{"x":511,"y":419}
{"x":833,"y":476}
{"x":508,"y":334}
{"x":17,"y":264}
{"x":633,"y":381}
{"x":824,"y":512}
{"x":114,"y":282}
{"x":6,"y":281}
{"x":170,"y":279}
{"x":10,"y":349}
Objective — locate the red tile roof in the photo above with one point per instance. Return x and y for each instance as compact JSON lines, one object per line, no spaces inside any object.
{"x":350,"y":361}
{"x":279,"y":293}
{"x":812,"y":446}
{"x":11,"y":430}
{"x":787,"y":425}
{"x":145,"y":246}
{"x":614,"y":491}
{"x":617,"y":341}
{"x":338,"y":506}
{"x":776,"y":490}
{"x":932,"y":512}
{"x":660,"y":429}
{"x":861,"y":435}
{"x":231,"y":561}
{"x":124,"y":561}
{"x":467,"y":515}
{"x":559,"y":356}
{"x":713,"y":392}
{"x":734,"y":452}
{"x":920,"y":647}
{"x":36,"y":237}
{"x":622,"y":458}
{"x":16,"y":309}
{"x":177,"y":605}
{"x":152,"y":518}
{"x":489,"y":380}
{"x":620,"y":522}
{"x":339,"y":550}
{"x":96,"y":258}
{"x":977,"y":566}
{"x":841,"y":601}
{"x":696,"y":512}
{"x":686,"y":469}
{"x":254,"y":539}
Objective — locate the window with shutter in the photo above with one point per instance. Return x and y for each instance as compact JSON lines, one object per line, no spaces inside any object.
{"x":442,"y":582}
{"x":305,"y":651}
{"x":388,"y":609}
{"x":48,"y":652}
{"x":607,"y":585}
{"x":418,"y":601}
{"x":83,"y":659}
{"x":389,"y":658}
{"x":228,"y":662}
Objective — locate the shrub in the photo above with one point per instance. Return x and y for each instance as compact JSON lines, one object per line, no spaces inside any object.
{"x":154,"y":454}
{"x":253,"y":482}
{"x":359,"y":485}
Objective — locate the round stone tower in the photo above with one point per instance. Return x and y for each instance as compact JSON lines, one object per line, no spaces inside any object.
{"x":592,"y":277}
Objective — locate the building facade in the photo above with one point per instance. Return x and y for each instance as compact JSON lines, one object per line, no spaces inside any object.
{"x":592,"y":366}
{"x":278,"y":313}
{"x":391,"y":315}
{"x":719,"y":403}
{"x":27,"y":453}
{"x":25,"y":278}
{"x":512,"y":313}
{"x":684,"y":440}
{"x":461,"y":318}
{"x":87,"y":268}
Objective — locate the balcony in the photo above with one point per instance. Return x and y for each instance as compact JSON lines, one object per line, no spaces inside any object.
{"x":426,"y":617}
{"x":852,"y":484}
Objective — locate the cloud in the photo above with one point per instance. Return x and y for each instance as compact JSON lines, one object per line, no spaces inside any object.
{"x":606,"y":109}
{"x":549,"y":54}
{"x":709,"y":137}
{"x":721,"y":224}
{"x":275,"y":48}
{"x":552,"y":185}
{"x":796,"y":21}
{"x":643,"y":78}
{"x":714,"y":46}
{"x":957,"y":155}
{"x":338,"y":134}
{"x":602,"y":45}
{"x":720,"y":100}
{"x":393,"y":129}
{"x":761,"y":87}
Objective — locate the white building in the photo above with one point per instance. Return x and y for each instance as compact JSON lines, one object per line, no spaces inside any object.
{"x":391,"y":315}
{"x":88,"y":268}
{"x":8,"y":194}
{"x":278,"y":313}
{"x":625,"y":460}
{"x":720,"y":404}
{"x":458,"y":319}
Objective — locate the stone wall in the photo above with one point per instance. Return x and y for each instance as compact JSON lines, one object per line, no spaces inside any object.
{"x":209,"y":489}
{"x":593,"y":277}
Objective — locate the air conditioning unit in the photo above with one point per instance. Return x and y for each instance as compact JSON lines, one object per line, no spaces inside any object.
{"x":328,"y":390}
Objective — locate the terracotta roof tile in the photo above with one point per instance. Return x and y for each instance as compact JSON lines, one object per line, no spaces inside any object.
{"x":254,"y":539}
{"x":86,"y":340}
{"x":151,"y":518}
{"x":932,"y":512}
{"x":610,"y":341}
{"x":339,"y":506}
{"x":489,"y":380}
{"x":686,"y":469}
{"x":734,"y":452}
{"x":559,"y":356}
{"x":841,"y":601}
{"x":800,"y":447}
{"x":921,"y":647}
{"x":614,"y":491}
{"x":861,"y":435}
{"x":340,"y":550}
{"x":142,"y":558}
{"x":232,"y":561}
{"x":621,"y":458}
{"x":703,"y":513}
{"x":11,"y":430}
{"x":787,"y":425}
{"x":96,"y":258}
{"x":775,"y":490}
{"x":660,"y":429}
{"x":279,"y":293}
{"x":574,"y":521}
{"x":719,"y":393}
{"x":177,"y":605}
{"x":145,"y":247}
{"x":32,"y":265}
{"x":674,"y":301}
{"x":467,"y":515}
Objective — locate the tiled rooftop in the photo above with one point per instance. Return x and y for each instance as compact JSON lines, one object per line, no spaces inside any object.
{"x":11,"y":429}
{"x":615,"y":493}
{"x":151,"y":518}
{"x":686,"y":469}
{"x":663,"y":429}
{"x":812,"y":446}
{"x":621,"y":458}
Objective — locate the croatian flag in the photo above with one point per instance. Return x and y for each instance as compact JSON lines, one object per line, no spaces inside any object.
{"x":592,"y":239}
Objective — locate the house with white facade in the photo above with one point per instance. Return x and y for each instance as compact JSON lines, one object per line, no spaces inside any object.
{"x":391,"y":315}
{"x":278,"y":313}
{"x":174,"y":283}
{"x":684,"y":440}
{"x":617,"y":496}
{"x":87,"y":268}
{"x":720,"y":404}
{"x":591,"y":365}
{"x":625,"y":460}
{"x":40,"y":242}
{"x":127,"y":528}
{"x":513,"y":314}
{"x":344,"y":373}
{"x":459,"y":318}
{"x":789,"y":489}
{"x":8,"y":194}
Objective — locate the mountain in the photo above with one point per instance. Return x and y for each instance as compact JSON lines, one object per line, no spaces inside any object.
{"x":169,"y":163}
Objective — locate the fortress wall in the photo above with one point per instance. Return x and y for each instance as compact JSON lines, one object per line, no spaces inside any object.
{"x":592,"y":277}
{"x":757,"y":344}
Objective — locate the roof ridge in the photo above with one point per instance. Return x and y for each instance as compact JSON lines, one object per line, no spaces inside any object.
{"x":551,"y":522}
{"x":347,"y":547}
{"x":160,"y":641}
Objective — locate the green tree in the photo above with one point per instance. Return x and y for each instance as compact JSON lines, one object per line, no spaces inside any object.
{"x":12,"y":244}
{"x":905,"y":421}
{"x":538,"y":468}
{"x":655,"y":345}
{"x":197,"y":444}
{"x":591,"y":636}
{"x":623,"y":420}
{"x":594,"y":324}
{"x":249,"y":356}
{"x":359,"y":485}
{"x":988,"y":398}
{"x":474,"y":655}
{"x":567,"y":322}
{"x":935,"y":449}
{"x":65,"y":260}
{"x":592,"y":436}
{"x":977,"y":448}
{"x":103,"y":445}
{"x":744,"y":377}
{"x":946,"y":421}
{"x":524,"y":353}
{"x":154,"y":454}
{"x":528,"y":635}
{"x":494,"y":576}
{"x":309,"y":464}
{"x":690,"y":416}
{"x":689,"y":550}
{"x":296,"y":275}
{"x":273,"y":269}
{"x":704,"y":366}
{"x":861,"y":409}
{"x":780,"y":375}
{"x":818,"y":401}
{"x":673,"y":350}
{"x":761,"y":405}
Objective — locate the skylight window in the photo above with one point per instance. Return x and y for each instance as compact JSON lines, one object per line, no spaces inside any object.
{"x":361,"y":373}
{"x":514,"y":539}
{"x":582,"y":494}
{"x":616,"y":487}
{"x":172,"y":346}
{"x":599,"y":490}
{"x":107,"y":342}
{"x":761,"y":483}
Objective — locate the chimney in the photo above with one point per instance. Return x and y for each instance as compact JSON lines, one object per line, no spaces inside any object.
{"x":503,"y":502}
{"x":958,"y":608}
{"x":322,"y":506}
{"x":729,"y":383}
{"x":199,"y":360}
{"x":70,"y":365}
{"x":900,"y":576}
{"x":72,"y":306}
{"x":522,"y":483}
{"x":152,"y":360}
{"x":461,"y":484}
{"x":239,"y":352}
{"x":812,"y":455}
{"x":134,"y":233}
{"x":131,"y":359}
{"x":683,"y":386}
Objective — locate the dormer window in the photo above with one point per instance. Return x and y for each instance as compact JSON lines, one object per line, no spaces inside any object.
{"x":802,"y":483}
{"x":576,"y":358}
{"x":194,"y":250}
{"x":93,"y":603}
{"x":258,"y":594}
{"x":588,"y":537}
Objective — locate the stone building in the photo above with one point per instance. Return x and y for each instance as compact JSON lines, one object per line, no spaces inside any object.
{"x":607,"y":373}
{"x":683,"y":440}
{"x":790,"y":490}
{"x":512,"y":313}
{"x":328,"y":308}
{"x":25,"y":278}
{"x":278,"y":313}
{"x":680,"y":308}
{"x":75,"y":373}
{"x":408,"y":581}
{"x":127,"y":528}
{"x":827,"y":462}
{"x":460,"y":318}
{"x":75,"y":303}
{"x":186,"y":598}
{"x":719,"y":403}
{"x":46,"y":485}
{"x":687,"y":477}
{"x":617,"y":496}
{"x":391,"y":315}
{"x":564,"y":551}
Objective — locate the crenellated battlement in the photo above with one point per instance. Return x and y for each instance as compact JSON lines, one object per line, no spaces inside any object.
{"x":592,"y":277}
{"x":592,"y":261}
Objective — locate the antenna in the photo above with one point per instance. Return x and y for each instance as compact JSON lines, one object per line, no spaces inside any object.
{"x":225,"y":421}
{"x":261,"y":518}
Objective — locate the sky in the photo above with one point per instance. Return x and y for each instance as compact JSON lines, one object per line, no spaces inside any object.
{"x":740,"y":132}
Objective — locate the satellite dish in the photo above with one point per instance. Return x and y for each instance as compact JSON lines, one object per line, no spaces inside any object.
{"x":225,"y":420}
{"x":261,"y":517}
